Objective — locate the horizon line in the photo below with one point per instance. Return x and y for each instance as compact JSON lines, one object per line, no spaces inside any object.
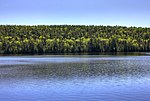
{"x":70,"y":25}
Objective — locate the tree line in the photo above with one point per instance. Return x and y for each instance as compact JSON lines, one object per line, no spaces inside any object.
{"x":22,"y":39}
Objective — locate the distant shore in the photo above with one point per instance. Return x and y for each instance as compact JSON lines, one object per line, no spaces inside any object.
{"x":74,"y":39}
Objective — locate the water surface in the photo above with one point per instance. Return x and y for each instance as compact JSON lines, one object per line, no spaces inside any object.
{"x":75,"y":78}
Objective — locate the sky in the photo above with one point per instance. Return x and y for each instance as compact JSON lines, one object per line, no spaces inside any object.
{"x":75,"y":12}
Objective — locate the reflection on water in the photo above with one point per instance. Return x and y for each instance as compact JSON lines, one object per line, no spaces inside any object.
{"x":79,"y":78}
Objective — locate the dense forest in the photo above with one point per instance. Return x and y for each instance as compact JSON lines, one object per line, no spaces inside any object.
{"x":17,"y":39}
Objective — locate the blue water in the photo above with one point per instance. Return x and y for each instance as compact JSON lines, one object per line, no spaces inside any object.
{"x":75,"y":78}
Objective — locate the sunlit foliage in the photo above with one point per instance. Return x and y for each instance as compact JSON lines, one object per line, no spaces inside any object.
{"x":72,"y":39}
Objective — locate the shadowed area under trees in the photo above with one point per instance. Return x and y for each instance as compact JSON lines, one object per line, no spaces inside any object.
{"x":21,"y":39}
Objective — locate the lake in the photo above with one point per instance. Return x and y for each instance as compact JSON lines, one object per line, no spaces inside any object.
{"x":75,"y":78}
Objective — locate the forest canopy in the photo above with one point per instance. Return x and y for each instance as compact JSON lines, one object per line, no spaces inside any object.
{"x":21,"y":39}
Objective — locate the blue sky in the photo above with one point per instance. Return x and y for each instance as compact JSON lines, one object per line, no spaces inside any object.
{"x":83,"y":12}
